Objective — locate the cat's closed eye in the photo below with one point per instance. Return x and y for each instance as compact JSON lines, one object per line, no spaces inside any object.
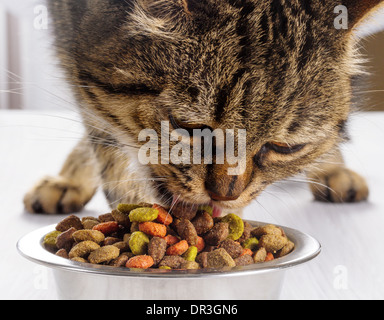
{"x":284,"y":148}
{"x":135,"y":89}
{"x":277,"y":147}
{"x":188,"y":126}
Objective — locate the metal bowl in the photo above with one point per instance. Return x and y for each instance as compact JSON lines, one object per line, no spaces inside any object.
{"x":85,"y":281}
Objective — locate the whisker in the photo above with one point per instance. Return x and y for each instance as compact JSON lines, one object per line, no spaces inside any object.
{"x":267,"y":211}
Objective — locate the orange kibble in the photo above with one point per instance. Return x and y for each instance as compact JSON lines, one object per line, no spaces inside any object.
{"x":178,"y":248}
{"x":107,"y":227}
{"x":164,"y":217}
{"x":247,"y":251}
{"x":153,"y":229}
{"x":200,"y":244}
{"x":269,"y":257}
{"x":140,"y":262}
{"x":171,"y":240}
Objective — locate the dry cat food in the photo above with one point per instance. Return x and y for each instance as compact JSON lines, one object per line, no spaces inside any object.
{"x":148,"y":236}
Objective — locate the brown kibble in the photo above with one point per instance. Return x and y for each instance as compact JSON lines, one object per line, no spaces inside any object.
{"x":90,"y":218}
{"x":244,"y":260}
{"x":62,"y":253}
{"x":68,"y":223}
{"x":88,"y":224}
{"x":65,"y":240}
{"x":202,"y":259}
{"x":174,"y":262}
{"x":122,"y":246}
{"x":183,"y":211}
{"x":110,"y":241}
{"x":187,"y":232}
{"x":203,"y":222}
{"x":134,"y":227}
{"x":145,"y":205}
{"x":232,"y":247}
{"x":157,"y":248}
{"x":217,"y":234}
{"x":107,"y":217}
{"x":260,"y":255}
{"x":79,"y":259}
{"x":189,"y":265}
{"x":120,"y":261}
{"x":88,"y":235}
{"x":272,"y":243}
{"x":268,"y":229}
{"x":126,"y":237}
{"x":83,"y":249}
{"x":219,"y":259}
{"x":121,"y":218}
{"x":210,"y":248}
{"x":104,"y":255}
{"x":288,"y":248}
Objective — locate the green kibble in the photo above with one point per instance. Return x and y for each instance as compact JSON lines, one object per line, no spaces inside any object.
{"x":143,"y":215}
{"x":207,"y":209}
{"x":251,"y":243}
{"x":236,"y":226}
{"x":126,"y":207}
{"x":165,"y":268}
{"x":50,"y":239}
{"x":190,"y":254}
{"x":138,"y":243}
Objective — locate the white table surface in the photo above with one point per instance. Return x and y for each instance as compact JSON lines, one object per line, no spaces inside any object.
{"x":351,"y":265}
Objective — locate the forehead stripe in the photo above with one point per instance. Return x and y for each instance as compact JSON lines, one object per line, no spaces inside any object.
{"x":246,"y":8}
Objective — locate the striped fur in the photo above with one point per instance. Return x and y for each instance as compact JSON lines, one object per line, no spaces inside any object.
{"x":277,"y":68}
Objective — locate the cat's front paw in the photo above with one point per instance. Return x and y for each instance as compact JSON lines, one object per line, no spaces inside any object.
{"x":339,"y":186}
{"x":54,"y":195}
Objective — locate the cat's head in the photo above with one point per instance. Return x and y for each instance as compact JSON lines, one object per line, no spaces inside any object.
{"x":281,"y":70}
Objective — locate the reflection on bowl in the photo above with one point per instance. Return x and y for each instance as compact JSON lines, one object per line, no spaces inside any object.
{"x":85,"y":281}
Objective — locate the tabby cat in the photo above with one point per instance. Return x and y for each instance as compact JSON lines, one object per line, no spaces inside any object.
{"x":277,"y":68}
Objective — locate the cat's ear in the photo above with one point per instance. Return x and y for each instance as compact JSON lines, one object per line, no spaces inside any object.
{"x":359,"y":10}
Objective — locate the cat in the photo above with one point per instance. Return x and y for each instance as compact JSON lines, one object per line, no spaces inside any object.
{"x":278,"y":69}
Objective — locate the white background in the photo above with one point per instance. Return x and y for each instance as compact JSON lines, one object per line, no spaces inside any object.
{"x":33,"y":77}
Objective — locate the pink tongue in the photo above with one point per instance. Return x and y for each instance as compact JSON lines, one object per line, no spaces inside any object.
{"x":216,"y":212}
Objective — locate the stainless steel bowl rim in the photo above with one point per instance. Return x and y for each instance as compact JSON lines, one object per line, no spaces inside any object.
{"x":306,"y":248}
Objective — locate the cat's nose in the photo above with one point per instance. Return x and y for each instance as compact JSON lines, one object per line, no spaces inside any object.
{"x":219,"y":197}
{"x":228,"y":188}
{"x":223,"y":187}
